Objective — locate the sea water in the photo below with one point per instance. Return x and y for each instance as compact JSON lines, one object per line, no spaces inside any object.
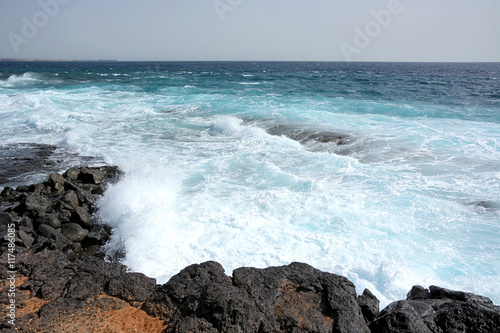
{"x":386,"y":173}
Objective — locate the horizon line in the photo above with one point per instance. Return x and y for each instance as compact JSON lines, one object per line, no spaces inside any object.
{"x":339,"y":61}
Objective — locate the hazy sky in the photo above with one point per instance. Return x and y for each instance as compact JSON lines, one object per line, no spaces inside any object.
{"x":322,"y":30}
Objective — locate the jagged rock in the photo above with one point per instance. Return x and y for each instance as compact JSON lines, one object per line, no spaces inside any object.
{"x":99,"y":190}
{"x":442,"y":293}
{"x":36,"y":202}
{"x":82,"y":195}
{"x":74,"y":232}
{"x":26,"y":222}
{"x":399,"y":317}
{"x":203,"y":293}
{"x":50,"y":220}
{"x":52,"y":312}
{"x":369,"y":305}
{"x":92,"y":176}
{"x":72,"y":173}
{"x":56,"y":181}
{"x":301,"y":297}
{"x":83,"y":286}
{"x":26,"y":239}
{"x":418,"y":292}
{"x":51,"y":233}
{"x":82,"y":217}
{"x":288,"y":298}
{"x":439,"y":310}
{"x":64,"y":213}
{"x":71,"y":199}
{"x":5,"y":218}
{"x":131,"y":287}
{"x":96,"y":237}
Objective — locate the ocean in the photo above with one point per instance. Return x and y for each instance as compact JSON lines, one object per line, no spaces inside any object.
{"x":386,"y":173}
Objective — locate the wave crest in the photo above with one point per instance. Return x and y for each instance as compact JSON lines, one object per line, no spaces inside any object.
{"x":25,"y":78}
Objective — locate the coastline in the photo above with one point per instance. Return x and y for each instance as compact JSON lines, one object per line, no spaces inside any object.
{"x":59,"y":274}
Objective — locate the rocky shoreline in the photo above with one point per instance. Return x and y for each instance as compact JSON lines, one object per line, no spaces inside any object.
{"x":59,"y":281}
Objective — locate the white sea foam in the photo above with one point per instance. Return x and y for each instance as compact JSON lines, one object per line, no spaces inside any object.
{"x":250,"y":83}
{"x":25,"y":78}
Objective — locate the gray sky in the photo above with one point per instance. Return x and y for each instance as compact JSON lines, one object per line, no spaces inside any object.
{"x":315,"y":30}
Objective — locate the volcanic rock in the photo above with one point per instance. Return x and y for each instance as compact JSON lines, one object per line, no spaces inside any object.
{"x":74,"y":232}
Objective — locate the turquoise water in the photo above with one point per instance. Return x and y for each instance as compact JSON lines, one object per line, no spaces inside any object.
{"x":385,"y":173}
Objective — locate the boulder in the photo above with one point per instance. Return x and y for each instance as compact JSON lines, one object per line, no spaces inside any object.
{"x":26,"y":239}
{"x":37,"y":202}
{"x":96,"y":237}
{"x":92,"y":176}
{"x":50,"y":220}
{"x":72,"y":173}
{"x":56,"y":181}
{"x":74,"y":232}
{"x":53,"y":234}
{"x":301,"y":297}
{"x":83,"y":286}
{"x":131,"y":287}
{"x":82,"y":217}
{"x":290,"y":298}
{"x":369,"y":305}
{"x":71,"y":199}
{"x":439,"y":310}
{"x":6,"y":219}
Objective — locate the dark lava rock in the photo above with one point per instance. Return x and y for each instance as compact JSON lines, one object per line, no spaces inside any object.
{"x":132,"y":287}
{"x":294,"y":298}
{"x":26,"y":239}
{"x":51,"y":233}
{"x":92,"y":176}
{"x":51,"y":220}
{"x":82,"y":217}
{"x":299,"y":296}
{"x":56,"y":180}
{"x":439,"y":310}
{"x":36,"y":202}
{"x":83,"y":286}
{"x":71,"y":199}
{"x":6,"y":219}
{"x":399,"y":316}
{"x":418,"y":292}
{"x":74,"y":232}
{"x":369,"y":305}
{"x":72,"y":173}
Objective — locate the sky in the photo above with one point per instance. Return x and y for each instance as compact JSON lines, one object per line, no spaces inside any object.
{"x":255,"y":30}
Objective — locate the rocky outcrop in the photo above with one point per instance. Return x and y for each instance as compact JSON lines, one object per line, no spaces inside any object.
{"x":57,"y":213}
{"x":437,"y":310}
{"x":290,"y":298}
{"x":63,"y":284}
